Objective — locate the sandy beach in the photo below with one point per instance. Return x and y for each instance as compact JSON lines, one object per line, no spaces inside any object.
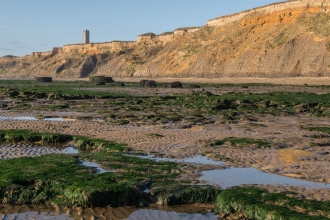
{"x":179,"y":141}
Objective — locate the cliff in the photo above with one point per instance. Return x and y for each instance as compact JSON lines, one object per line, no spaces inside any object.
{"x":285,"y":39}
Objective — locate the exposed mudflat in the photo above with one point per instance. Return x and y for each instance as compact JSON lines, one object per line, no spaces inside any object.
{"x":284,"y":131}
{"x":293,"y":151}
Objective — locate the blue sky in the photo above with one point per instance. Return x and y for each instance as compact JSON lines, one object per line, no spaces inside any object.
{"x":39,"y":25}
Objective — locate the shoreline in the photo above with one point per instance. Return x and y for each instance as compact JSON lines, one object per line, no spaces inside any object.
{"x":243,"y":80}
{"x":316,"y":81}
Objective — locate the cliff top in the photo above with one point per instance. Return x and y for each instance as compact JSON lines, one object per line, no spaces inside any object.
{"x":265,"y":6}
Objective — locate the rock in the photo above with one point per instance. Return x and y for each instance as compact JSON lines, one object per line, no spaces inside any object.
{"x":148,"y":83}
{"x":175,"y":84}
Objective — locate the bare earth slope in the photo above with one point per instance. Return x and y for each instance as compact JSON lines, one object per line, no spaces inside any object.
{"x":279,"y":40}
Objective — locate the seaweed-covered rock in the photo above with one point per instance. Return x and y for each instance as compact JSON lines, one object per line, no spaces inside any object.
{"x":175,"y":84}
{"x":193,"y":86}
{"x":97,"y":79}
{"x":148,"y":83}
{"x":43,"y":79}
{"x":120,"y":84}
{"x":99,"y":83}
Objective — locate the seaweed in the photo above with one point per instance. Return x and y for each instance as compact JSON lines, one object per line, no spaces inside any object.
{"x":256,"y":203}
{"x":242,"y":142}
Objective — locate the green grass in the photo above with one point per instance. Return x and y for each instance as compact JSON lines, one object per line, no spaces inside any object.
{"x":242,"y":142}
{"x":63,"y":181}
{"x":155,"y":135}
{"x":56,"y":90}
{"x":325,"y":130}
{"x":84,"y":143}
{"x":30,"y":136}
{"x":123,"y":108}
{"x":257,"y":204}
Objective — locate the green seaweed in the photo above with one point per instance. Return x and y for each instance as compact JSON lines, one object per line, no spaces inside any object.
{"x":256,"y":203}
{"x":242,"y":142}
{"x":325,"y":130}
{"x":30,"y":136}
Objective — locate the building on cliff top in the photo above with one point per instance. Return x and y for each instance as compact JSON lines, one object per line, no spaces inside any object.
{"x":86,"y":36}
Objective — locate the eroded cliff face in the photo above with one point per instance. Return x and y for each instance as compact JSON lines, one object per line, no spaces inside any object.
{"x":278,"y":40}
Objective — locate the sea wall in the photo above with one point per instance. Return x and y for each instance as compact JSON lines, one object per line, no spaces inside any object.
{"x":289,"y":5}
{"x":97,"y":48}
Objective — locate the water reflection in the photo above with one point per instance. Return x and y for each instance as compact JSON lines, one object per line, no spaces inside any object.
{"x":28,"y":118}
{"x":158,"y":214}
{"x":69,"y":150}
{"x":99,"y":170}
{"x":191,"y":212}
{"x":227,"y":178}
{"x":239,"y":176}
{"x":34,"y":215}
{"x":196,"y":159}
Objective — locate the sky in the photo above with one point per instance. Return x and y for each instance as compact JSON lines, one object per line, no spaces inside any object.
{"x":39,"y":25}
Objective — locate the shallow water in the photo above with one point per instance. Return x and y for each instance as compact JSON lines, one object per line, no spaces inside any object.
{"x":54,"y":119}
{"x":196,"y":159}
{"x":158,"y":214}
{"x":30,"y":118}
{"x":34,"y":215}
{"x":27,"y":118}
{"x":69,"y":150}
{"x":183,"y":212}
{"x":99,"y":170}
{"x":239,"y":176}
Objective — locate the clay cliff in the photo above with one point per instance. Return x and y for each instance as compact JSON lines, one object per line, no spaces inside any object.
{"x":285,"y":39}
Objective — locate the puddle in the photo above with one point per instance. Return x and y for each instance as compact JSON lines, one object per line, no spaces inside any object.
{"x":239,"y":176}
{"x":27,"y":118}
{"x":30,"y":118}
{"x":99,"y":170}
{"x":140,"y":214}
{"x":34,"y":215}
{"x":53,"y":119}
{"x":69,"y":150}
{"x":183,"y":212}
{"x":196,"y":159}
{"x":158,"y":214}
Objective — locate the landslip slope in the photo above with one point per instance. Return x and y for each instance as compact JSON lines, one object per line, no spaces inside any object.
{"x":279,"y":40}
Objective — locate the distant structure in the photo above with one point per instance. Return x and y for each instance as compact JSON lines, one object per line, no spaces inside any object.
{"x":86,"y":36}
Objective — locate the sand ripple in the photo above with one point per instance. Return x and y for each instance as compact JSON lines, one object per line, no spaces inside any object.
{"x":15,"y":151}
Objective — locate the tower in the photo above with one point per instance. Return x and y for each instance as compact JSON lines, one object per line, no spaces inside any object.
{"x":86,"y":36}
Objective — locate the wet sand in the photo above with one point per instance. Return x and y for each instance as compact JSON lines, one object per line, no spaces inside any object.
{"x":25,"y":150}
{"x":180,"y":142}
